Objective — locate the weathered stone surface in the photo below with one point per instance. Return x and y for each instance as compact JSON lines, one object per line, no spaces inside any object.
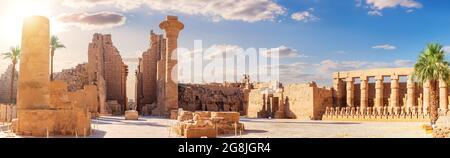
{"x":5,"y":84}
{"x":76,"y":78}
{"x":44,"y":107}
{"x":107,"y":70}
{"x":131,"y":115}
{"x":213,"y":97}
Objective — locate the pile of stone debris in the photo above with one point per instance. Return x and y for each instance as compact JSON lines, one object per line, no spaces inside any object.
{"x":207,"y":124}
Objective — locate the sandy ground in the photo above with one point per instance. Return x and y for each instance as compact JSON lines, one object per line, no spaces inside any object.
{"x":151,"y":127}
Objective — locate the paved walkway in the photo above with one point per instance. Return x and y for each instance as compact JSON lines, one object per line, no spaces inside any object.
{"x":151,"y":127}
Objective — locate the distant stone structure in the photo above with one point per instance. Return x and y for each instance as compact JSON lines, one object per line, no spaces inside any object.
{"x":47,"y":108}
{"x":213,"y":97}
{"x":295,"y":101}
{"x":107,"y":70}
{"x":76,"y":77}
{"x":372,"y":98}
{"x":5,"y":84}
{"x":157,"y":83}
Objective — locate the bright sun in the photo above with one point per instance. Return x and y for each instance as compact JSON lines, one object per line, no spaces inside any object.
{"x":12,"y":13}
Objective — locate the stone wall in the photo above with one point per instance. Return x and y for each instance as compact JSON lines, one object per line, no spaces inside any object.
{"x":306,"y":101}
{"x":7,"y":112}
{"x":107,"y":70}
{"x":5,"y":82}
{"x":212,"y":97}
{"x":76,"y":77}
{"x":296,"y":101}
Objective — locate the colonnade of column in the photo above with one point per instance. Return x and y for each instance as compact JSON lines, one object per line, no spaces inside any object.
{"x":394,"y":98}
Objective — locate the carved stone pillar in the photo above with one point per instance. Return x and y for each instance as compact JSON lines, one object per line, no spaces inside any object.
{"x":364,"y":92}
{"x":394,"y":91}
{"x":426,"y":96}
{"x":443,"y":96}
{"x":172,"y":28}
{"x":378,"y":91}
{"x":410,"y":92}
{"x":337,"y":94}
{"x":350,"y":92}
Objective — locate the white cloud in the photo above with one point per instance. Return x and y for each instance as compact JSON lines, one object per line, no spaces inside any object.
{"x":283,"y":52}
{"x":404,"y":63}
{"x":305,"y":16}
{"x":446,"y":49}
{"x":385,"y":47}
{"x":382,"y":4}
{"x":242,"y":10}
{"x":98,"y":20}
{"x":376,"y":6}
{"x":375,"y":13}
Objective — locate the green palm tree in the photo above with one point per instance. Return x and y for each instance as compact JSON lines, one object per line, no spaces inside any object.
{"x":54,"y":44}
{"x":13,"y":55}
{"x":432,"y":67}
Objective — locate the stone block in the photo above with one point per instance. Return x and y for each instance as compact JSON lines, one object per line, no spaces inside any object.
{"x":228,"y":116}
{"x":131,"y":115}
{"x":208,"y":132}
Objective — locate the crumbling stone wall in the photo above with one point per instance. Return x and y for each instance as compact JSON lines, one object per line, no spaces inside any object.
{"x":212,"y":97}
{"x":5,"y":82}
{"x":106,"y":69}
{"x":76,"y":77}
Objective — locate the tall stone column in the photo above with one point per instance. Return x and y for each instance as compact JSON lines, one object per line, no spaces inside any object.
{"x":337,"y":94}
{"x":410,"y":85}
{"x":443,"y":96}
{"x":426,"y":96}
{"x":378,"y":91}
{"x":33,"y":93}
{"x":350,"y":92}
{"x":364,"y":92}
{"x":172,"y":28}
{"x":394,"y":91}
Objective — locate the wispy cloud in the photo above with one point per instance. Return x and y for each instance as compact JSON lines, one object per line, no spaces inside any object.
{"x":376,"y":6}
{"x":98,"y":20}
{"x":305,"y":16}
{"x":385,"y":47}
{"x":242,"y":10}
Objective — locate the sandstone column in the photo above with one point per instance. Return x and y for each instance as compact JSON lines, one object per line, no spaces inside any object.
{"x":33,"y":92}
{"x":410,"y":85}
{"x":426,"y":96}
{"x":378,"y":91}
{"x":394,"y":91}
{"x":350,"y":92}
{"x":443,"y":96}
{"x":337,"y":86}
{"x":364,"y":92}
{"x":172,"y":27}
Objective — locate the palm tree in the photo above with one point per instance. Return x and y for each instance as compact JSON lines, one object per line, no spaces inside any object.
{"x":432,"y":67}
{"x":54,"y":44}
{"x":13,"y":55}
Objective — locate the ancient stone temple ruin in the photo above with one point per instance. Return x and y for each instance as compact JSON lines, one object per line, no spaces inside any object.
{"x":157,"y":83}
{"x":5,"y":86}
{"x":382,"y":94}
{"x":44,"y":107}
{"x":295,"y":101}
{"x":107,"y":70}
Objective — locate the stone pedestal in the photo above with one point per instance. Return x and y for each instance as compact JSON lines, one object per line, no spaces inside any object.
{"x":131,"y":115}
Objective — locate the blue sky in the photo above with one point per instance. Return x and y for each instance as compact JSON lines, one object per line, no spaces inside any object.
{"x":319,"y":36}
